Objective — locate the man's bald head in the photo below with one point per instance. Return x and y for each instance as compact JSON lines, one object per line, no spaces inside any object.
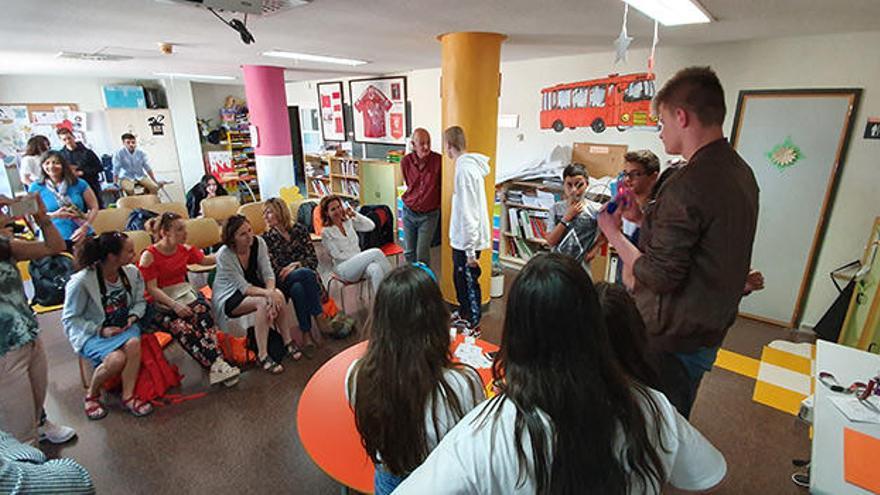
{"x":421,"y":142}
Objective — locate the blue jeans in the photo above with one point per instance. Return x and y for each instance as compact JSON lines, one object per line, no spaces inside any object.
{"x":301,"y":285}
{"x":467,"y":288}
{"x":418,"y":234}
{"x":384,"y":482}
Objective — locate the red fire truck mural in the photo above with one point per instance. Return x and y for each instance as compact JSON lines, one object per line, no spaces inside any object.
{"x":622,"y":101}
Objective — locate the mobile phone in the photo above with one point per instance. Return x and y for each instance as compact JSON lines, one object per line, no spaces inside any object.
{"x":24,"y":206}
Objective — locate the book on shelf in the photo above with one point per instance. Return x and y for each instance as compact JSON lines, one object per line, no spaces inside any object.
{"x":320,"y":187}
{"x":349,"y":167}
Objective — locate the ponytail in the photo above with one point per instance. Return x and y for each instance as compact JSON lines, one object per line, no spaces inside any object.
{"x":96,"y":249}
{"x":156,"y":225}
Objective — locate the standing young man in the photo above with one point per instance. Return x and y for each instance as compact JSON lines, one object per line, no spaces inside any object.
{"x":468,"y":224}
{"x":131,"y":167}
{"x":87,"y":163}
{"x":695,"y":246}
{"x":421,"y":201}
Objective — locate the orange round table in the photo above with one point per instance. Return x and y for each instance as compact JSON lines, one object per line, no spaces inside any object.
{"x":326,"y":422}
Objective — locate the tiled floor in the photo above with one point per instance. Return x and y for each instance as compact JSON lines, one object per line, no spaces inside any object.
{"x":244,"y":439}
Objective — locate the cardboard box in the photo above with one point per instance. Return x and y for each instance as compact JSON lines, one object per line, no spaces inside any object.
{"x":600,"y":159}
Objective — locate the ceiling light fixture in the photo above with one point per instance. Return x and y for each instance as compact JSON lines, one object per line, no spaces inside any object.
{"x":305,"y":57}
{"x":194,"y":76}
{"x":672,"y":12}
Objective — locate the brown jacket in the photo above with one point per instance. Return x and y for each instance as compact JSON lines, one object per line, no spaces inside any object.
{"x":697,"y":243}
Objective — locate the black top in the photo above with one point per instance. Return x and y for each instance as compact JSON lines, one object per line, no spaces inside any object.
{"x":252,"y":270}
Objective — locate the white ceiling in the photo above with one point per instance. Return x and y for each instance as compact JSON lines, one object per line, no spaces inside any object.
{"x":394,"y":35}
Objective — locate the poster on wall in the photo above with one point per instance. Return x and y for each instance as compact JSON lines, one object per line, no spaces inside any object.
{"x":379,"y":110}
{"x":15,"y":130}
{"x":330,"y":103}
{"x":220,"y":166}
{"x":621,"y":101}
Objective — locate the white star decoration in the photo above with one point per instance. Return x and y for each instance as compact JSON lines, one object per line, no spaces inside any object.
{"x":622,"y":42}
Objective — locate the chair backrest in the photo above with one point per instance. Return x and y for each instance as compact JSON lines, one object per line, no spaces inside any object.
{"x":111,"y":219}
{"x":220,"y":207}
{"x":202,"y":232}
{"x":141,"y":201}
{"x":254,"y":213}
{"x":141,"y":241}
{"x":175,"y":207}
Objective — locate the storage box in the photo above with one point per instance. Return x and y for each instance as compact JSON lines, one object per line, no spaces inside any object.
{"x":600,"y":159}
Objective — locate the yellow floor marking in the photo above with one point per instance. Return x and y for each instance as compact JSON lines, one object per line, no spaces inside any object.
{"x":737,"y":363}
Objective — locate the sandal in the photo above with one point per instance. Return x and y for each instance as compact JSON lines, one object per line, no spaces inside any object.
{"x":137,"y":407}
{"x":269,"y":364}
{"x":94,"y":409}
{"x":294,"y":351}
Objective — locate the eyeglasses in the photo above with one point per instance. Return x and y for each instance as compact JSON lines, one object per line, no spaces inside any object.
{"x":634,"y":174}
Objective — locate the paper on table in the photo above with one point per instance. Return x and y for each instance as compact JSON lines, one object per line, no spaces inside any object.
{"x":860,"y":453}
{"x":867,"y":411}
{"x":472,"y":355}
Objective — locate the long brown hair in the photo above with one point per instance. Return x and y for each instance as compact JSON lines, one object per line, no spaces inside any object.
{"x":324,"y":207}
{"x":37,"y":145}
{"x":599,"y":441}
{"x":161,"y":223}
{"x":403,"y":370}
{"x":281,"y":211}
{"x":67,"y":173}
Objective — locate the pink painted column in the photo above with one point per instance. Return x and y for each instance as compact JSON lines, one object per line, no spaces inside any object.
{"x":267,"y":104}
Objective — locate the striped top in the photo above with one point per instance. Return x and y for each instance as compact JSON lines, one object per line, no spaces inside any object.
{"x":24,"y":469}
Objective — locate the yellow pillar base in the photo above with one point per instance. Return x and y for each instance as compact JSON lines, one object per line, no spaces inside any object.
{"x":470,"y":86}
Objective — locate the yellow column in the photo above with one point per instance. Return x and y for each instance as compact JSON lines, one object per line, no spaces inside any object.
{"x":469,"y":88}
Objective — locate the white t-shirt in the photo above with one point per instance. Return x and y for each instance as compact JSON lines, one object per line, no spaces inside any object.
{"x":30,"y":167}
{"x":470,"y":460}
{"x":464,"y":381}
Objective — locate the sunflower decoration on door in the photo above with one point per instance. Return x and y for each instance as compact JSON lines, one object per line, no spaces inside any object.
{"x":785,"y":155}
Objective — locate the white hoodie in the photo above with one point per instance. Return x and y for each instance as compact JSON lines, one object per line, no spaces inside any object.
{"x":469,"y":229}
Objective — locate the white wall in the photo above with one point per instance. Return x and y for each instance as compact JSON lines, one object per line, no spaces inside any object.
{"x":209,"y":98}
{"x":186,"y":131}
{"x":843,"y":60}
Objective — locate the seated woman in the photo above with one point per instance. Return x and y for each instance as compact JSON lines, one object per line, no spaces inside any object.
{"x":245,"y":283}
{"x":102,"y":307}
{"x":208,"y":187}
{"x":339,"y":237}
{"x":71,"y":203}
{"x":401,"y":421}
{"x":181,"y":310}
{"x":567,"y":418}
{"x":295,"y":264}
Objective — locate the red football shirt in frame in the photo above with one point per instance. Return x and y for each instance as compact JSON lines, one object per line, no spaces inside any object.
{"x":373,"y":105}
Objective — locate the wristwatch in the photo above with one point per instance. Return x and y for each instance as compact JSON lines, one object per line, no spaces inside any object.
{"x":566,"y":224}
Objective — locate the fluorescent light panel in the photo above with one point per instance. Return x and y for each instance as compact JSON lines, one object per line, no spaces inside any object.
{"x":672,"y":12}
{"x":194,"y":76}
{"x":323,"y":59}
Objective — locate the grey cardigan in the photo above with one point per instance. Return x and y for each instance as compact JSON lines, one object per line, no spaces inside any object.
{"x":230,"y":277}
{"x":83,"y":312}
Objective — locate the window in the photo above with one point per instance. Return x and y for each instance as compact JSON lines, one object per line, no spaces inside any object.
{"x":638,"y":91}
{"x":579,"y":98}
{"x":544,"y":98}
{"x":564,"y":96}
{"x":597,"y":96}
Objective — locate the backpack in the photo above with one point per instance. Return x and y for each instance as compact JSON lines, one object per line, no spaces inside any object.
{"x":304,"y":215}
{"x":50,"y":276}
{"x":137,"y":219}
{"x":384,"y":231}
{"x":235,"y":349}
{"x":156,"y":376}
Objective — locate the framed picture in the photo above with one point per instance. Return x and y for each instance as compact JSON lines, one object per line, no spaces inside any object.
{"x":330,"y":104}
{"x":378,"y":108}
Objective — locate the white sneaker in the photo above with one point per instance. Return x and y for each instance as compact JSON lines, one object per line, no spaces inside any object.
{"x":221,"y":371}
{"x":52,"y":433}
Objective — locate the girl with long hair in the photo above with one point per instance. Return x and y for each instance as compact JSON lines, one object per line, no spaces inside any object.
{"x":206,"y":188}
{"x":103,"y":306}
{"x":181,"y":310}
{"x":339,"y":237}
{"x":70,"y":202}
{"x":295,"y":264}
{"x":406,"y":391}
{"x":29,"y":169}
{"x":245,"y":283}
{"x":568,"y":418}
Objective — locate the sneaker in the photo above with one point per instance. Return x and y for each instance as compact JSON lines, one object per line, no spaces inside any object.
{"x":57,"y":434}
{"x":222,"y":372}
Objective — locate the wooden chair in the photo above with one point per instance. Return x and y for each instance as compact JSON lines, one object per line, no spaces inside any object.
{"x":202,"y":233}
{"x":220,"y":207}
{"x":142,"y":201}
{"x":111,"y":219}
{"x":174,"y":207}
{"x":141,"y":241}
{"x":392,"y":250}
{"x":254,"y":213}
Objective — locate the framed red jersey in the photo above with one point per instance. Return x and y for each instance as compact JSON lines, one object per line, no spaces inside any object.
{"x":379,"y":112}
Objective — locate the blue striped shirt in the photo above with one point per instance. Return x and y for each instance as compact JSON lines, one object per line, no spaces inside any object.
{"x":24,"y":469}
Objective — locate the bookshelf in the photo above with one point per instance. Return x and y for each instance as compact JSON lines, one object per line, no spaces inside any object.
{"x":238,"y":143}
{"x":358,"y":180}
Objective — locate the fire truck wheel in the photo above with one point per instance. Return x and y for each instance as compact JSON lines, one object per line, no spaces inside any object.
{"x":558,"y":126}
{"x":598,"y":126}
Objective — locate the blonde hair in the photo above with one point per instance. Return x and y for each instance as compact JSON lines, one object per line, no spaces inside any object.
{"x":280,"y":209}
{"x":454,"y":137}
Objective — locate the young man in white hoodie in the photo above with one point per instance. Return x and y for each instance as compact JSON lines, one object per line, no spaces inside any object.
{"x":469,"y":231}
